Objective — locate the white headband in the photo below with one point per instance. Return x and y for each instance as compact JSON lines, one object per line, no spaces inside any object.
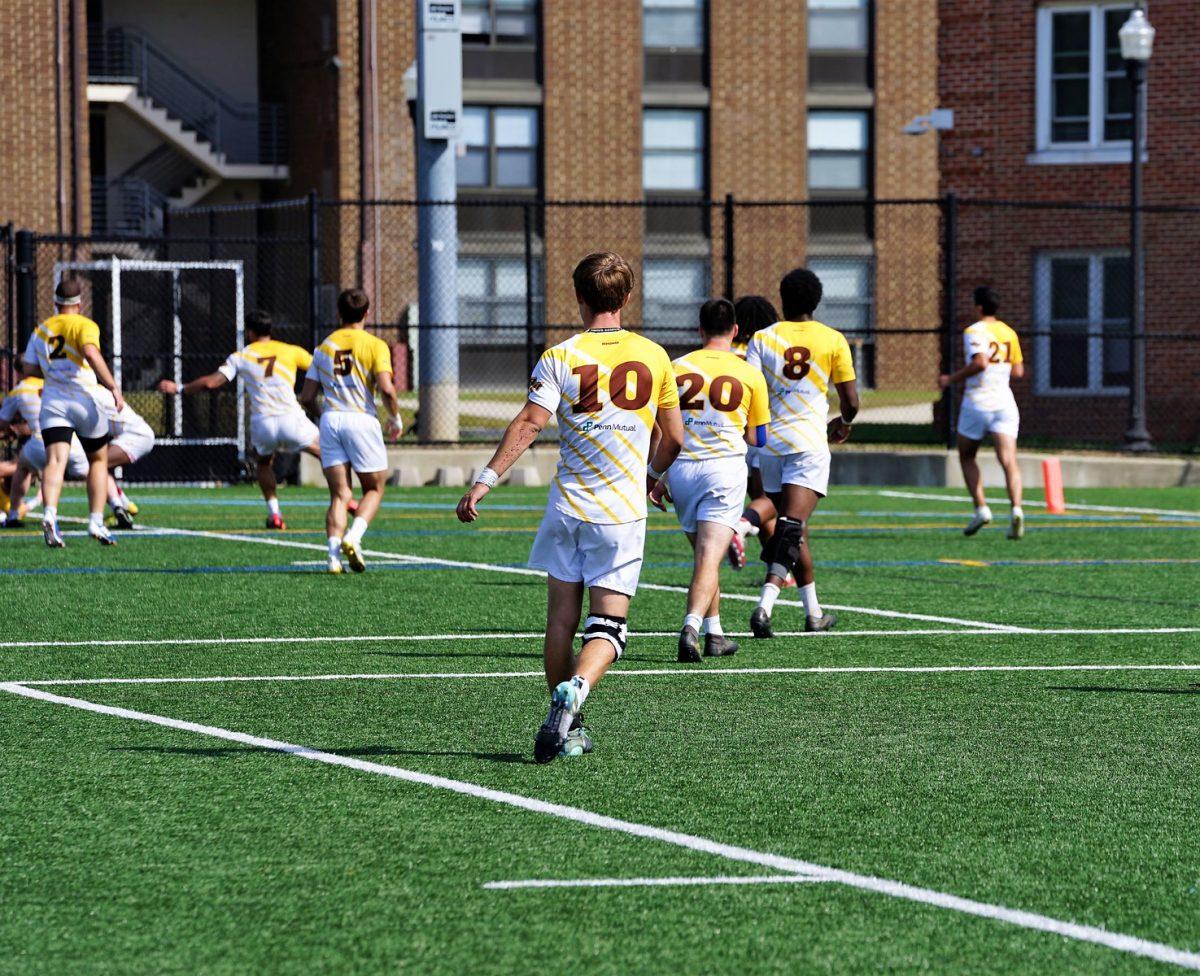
{"x":67,"y":299}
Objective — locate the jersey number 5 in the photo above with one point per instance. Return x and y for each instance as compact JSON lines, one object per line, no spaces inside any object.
{"x":796,"y":362}
{"x":618,"y":387}
{"x":725,"y":393}
{"x":343,"y":362}
{"x":268,"y":365}
{"x":56,"y":347}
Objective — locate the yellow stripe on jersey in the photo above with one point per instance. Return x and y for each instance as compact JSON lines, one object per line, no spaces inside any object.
{"x":346,"y":365}
{"x":56,"y":347}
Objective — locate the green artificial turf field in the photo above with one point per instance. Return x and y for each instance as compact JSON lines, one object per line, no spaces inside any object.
{"x":990,"y":767}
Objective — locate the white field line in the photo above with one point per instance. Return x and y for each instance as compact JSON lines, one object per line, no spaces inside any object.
{"x":722,"y":879}
{"x":617,"y":673}
{"x":1123,"y":509}
{"x":397,"y":557}
{"x":402,"y":638}
{"x":787,"y":865}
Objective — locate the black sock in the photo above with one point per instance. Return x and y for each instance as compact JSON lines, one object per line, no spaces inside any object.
{"x":752,"y":516}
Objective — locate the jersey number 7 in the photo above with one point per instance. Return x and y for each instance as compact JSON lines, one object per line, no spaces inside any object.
{"x":618,"y":387}
{"x":268,"y":365}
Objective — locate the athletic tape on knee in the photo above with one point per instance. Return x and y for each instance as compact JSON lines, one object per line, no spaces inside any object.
{"x":601,"y":626}
{"x":786,"y":542}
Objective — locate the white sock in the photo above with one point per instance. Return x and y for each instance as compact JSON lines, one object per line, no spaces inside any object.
{"x":1018,"y":512}
{"x":50,"y":514}
{"x":273,"y":506}
{"x":335,"y":546}
{"x":583,"y":686}
{"x":809,"y":595}
{"x":983,"y":512}
{"x":712,"y":625}
{"x":114,"y":497}
{"x":694,"y":621}
{"x":357,"y":528}
{"x":744,"y":528}
{"x":96,"y":520}
{"x":768,"y":596}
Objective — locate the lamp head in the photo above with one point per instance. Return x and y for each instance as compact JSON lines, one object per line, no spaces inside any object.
{"x":1137,"y":37}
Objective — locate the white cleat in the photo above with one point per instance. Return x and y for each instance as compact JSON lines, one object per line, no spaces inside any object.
{"x":976,"y":523}
{"x":52,"y":536}
{"x":335,"y":567}
{"x":102,"y":535}
{"x":1016,"y":528}
{"x":353,"y":556}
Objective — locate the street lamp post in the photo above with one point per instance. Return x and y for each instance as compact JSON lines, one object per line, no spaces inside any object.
{"x":1137,"y":43}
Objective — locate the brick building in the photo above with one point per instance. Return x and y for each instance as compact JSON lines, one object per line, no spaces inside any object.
{"x":1042,"y":113}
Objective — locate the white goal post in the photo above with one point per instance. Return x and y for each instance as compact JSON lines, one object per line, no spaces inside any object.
{"x":115,"y":267}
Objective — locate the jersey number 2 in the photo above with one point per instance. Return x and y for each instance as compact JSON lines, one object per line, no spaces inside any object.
{"x":618,"y":387}
{"x":996,"y":356}
{"x":725,"y":392}
{"x":56,"y":347}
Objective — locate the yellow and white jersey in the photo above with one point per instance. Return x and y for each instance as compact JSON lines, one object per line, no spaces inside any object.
{"x":1001,"y":348}
{"x":720,"y":396}
{"x":25,"y":401}
{"x":801,"y":361}
{"x":269,"y":370}
{"x":346,"y":365}
{"x":607,"y":388}
{"x":56,"y":347}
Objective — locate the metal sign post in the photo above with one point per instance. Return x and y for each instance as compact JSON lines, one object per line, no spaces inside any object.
{"x":438,"y":123}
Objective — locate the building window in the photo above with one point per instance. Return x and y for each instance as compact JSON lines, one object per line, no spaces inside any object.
{"x":673,"y":290}
{"x":491,"y":297}
{"x":496,"y":22}
{"x":499,"y":148}
{"x":837,"y":151}
{"x":1083,"y":98}
{"x":673,"y":150}
{"x":837,"y":25}
{"x":1083,"y":318}
{"x":672,"y":25}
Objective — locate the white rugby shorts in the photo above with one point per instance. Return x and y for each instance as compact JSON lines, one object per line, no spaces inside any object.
{"x":33,"y":454}
{"x":708,"y":491}
{"x":82,"y":414}
{"x":974,"y":422}
{"x":287,"y":432}
{"x":136,"y":438}
{"x":808,"y":470}
{"x":575,"y":551}
{"x":353,"y":438}
{"x":753,"y":457}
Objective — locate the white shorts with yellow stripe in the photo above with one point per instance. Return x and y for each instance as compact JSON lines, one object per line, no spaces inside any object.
{"x":575,"y":551}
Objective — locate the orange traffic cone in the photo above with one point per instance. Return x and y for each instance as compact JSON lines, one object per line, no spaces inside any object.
{"x":1056,"y":504}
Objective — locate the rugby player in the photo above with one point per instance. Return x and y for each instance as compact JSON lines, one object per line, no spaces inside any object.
{"x":992,"y":353}
{"x":724,"y":405}
{"x":610,"y":389}
{"x":800,"y":358}
{"x":65,"y":351}
{"x":350,"y":366}
{"x":269,"y":369}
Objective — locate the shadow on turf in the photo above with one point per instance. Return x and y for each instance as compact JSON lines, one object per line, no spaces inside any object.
{"x":1189,"y":690}
{"x":218,"y":752}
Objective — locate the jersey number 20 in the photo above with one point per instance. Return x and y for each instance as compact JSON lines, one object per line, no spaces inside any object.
{"x":725,"y":392}
{"x":618,"y":387}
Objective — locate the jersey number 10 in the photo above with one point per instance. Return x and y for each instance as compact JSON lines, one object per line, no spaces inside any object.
{"x":618,"y":387}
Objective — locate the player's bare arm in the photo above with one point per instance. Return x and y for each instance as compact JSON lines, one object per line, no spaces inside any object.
{"x":977,"y":365}
{"x":210,"y":381}
{"x":308,"y":396}
{"x":848,"y":404}
{"x":519,"y":434}
{"x":665,"y":445}
{"x":386,"y":385}
{"x":103,"y":375}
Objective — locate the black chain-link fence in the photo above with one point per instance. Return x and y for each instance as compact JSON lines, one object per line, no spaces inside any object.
{"x":898,"y":278}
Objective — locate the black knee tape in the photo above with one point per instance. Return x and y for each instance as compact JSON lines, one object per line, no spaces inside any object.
{"x":92,"y":444}
{"x":57,"y":435}
{"x":601,"y":626}
{"x":752,"y":516}
{"x":785,"y":546}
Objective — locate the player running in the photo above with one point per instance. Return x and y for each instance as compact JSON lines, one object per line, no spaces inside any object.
{"x":65,"y":351}
{"x":349,"y":366}
{"x":610,"y":389}
{"x":133,"y":439}
{"x":800,"y":358}
{"x":993,"y":357}
{"x":269,"y":369}
{"x":724,"y":405}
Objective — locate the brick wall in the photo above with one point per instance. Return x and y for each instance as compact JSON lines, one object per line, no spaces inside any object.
{"x":592,"y":124}
{"x":759,"y":79}
{"x":988,"y":75}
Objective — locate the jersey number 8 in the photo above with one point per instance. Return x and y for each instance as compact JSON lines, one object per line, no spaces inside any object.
{"x":796,"y":362}
{"x":618,"y":387}
{"x":725,"y":392}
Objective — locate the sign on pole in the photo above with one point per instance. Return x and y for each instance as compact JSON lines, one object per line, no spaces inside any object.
{"x":440,"y":66}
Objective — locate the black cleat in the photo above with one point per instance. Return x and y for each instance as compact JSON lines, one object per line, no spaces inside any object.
{"x":816,"y":625}
{"x":760,"y":624}
{"x":718,"y":645}
{"x":13,"y":523}
{"x":123,"y":519}
{"x":564,"y":700}
{"x":689,"y":646}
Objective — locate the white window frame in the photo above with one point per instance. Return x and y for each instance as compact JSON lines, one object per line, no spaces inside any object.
{"x":1095,"y":323}
{"x":1096,"y":149}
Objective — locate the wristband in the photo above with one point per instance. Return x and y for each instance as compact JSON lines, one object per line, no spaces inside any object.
{"x":487,"y":477}
{"x":396,"y":420}
{"x":651,"y":473}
